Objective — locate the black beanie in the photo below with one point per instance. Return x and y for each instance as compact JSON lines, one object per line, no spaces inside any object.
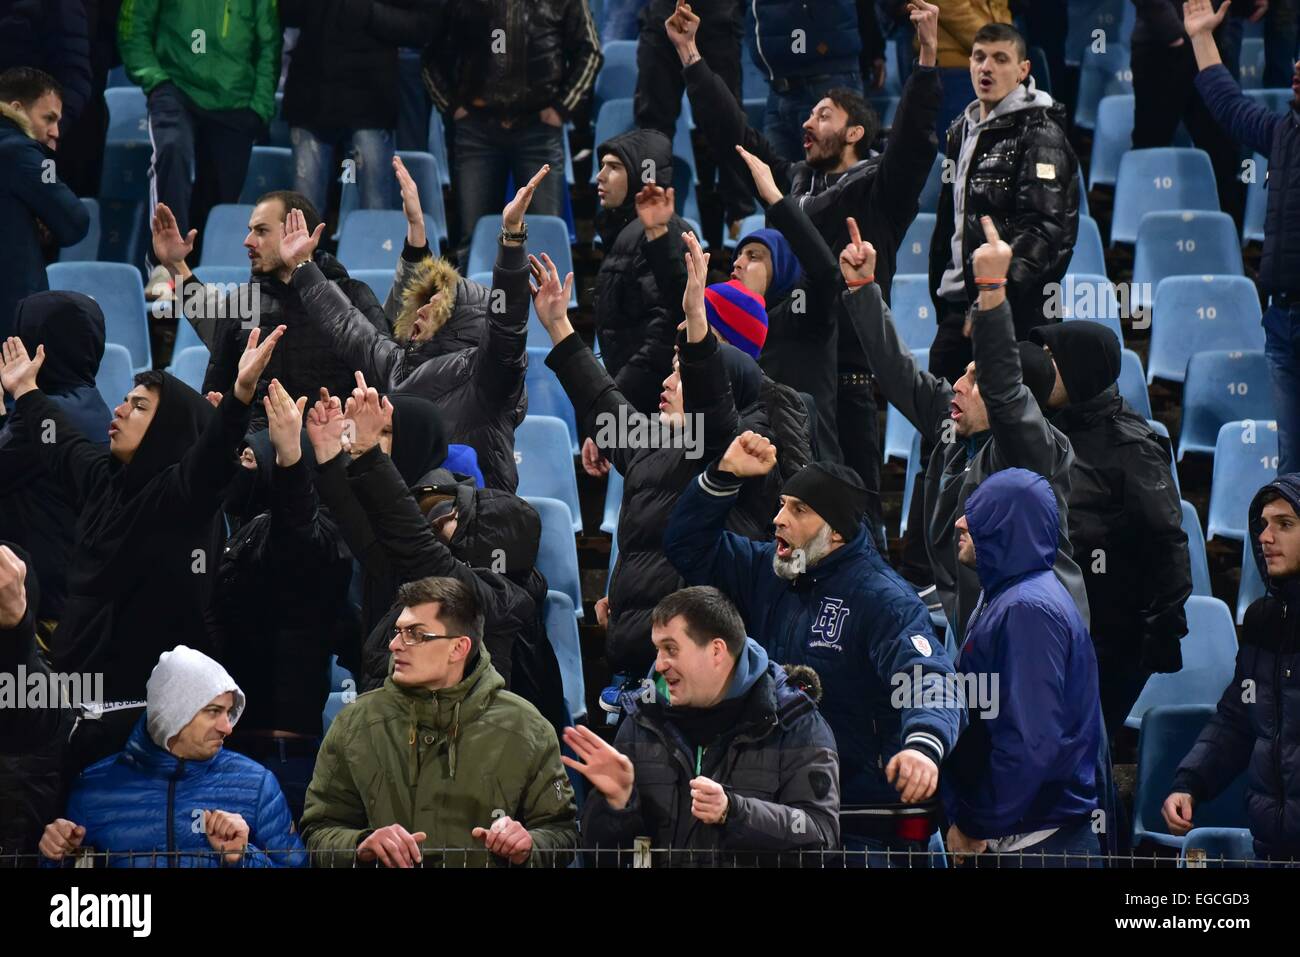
{"x":1087,"y":353}
{"x":833,"y":491}
{"x":1037,"y":372}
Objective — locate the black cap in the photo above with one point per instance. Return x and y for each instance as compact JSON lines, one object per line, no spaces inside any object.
{"x":833,"y":491}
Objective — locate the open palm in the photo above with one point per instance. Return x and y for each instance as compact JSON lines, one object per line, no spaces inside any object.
{"x":18,"y":370}
{"x":609,"y":771}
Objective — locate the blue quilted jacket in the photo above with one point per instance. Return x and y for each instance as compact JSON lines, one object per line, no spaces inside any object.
{"x":144,"y":799}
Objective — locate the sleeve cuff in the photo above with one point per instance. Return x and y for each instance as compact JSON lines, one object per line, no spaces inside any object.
{"x":512,"y":257}
{"x":718,"y":483}
{"x":567,"y":347}
{"x":415,"y":254}
{"x":304,"y":277}
{"x":697,"y":351}
{"x":928,"y":744}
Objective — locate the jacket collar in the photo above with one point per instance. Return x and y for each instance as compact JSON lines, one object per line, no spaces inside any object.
{"x":18,"y":118}
{"x":144,"y":756}
{"x":1081,"y":415}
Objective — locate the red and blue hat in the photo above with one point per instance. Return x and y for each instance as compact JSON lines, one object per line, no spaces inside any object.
{"x":738,"y":314}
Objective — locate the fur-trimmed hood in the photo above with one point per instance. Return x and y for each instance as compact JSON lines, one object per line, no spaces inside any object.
{"x":428,"y":276}
{"x":18,"y":118}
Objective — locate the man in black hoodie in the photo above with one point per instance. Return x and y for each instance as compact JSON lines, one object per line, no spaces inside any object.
{"x":138,"y":577}
{"x":1124,"y":514}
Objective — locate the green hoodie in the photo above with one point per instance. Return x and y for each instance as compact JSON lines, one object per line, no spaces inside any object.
{"x":222,"y":54}
{"x":443,"y":762}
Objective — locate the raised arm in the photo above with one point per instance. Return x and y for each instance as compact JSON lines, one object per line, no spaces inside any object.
{"x":1241,"y":117}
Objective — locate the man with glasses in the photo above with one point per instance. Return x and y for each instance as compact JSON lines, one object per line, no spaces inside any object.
{"x":440,"y":756}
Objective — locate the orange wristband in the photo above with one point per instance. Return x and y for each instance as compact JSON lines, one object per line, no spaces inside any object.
{"x":855,"y":283}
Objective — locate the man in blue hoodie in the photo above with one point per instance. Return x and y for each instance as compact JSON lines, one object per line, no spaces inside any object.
{"x":1021,"y":783}
{"x":719,"y":755}
{"x":821,"y":595}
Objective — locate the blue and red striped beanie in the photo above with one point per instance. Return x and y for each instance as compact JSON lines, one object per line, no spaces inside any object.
{"x":738,"y":314}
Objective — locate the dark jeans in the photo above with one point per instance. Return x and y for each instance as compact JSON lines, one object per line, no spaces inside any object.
{"x":291,"y":760}
{"x":787,"y":112}
{"x":658,"y":101}
{"x":1164,"y":93}
{"x":215,"y":144}
{"x":1066,"y":848}
{"x":858,"y":418}
{"x":487,"y":153}
{"x":1282,"y":350}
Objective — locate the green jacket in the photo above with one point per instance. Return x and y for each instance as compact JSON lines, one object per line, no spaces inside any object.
{"x":233,"y":64}
{"x":441,"y":762}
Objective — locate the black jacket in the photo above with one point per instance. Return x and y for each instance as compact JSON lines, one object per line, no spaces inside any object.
{"x":147,"y":535}
{"x":1025,"y":176}
{"x":633,"y":322}
{"x":35,"y":512}
{"x":54,"y":36}
{"x":343,"y":70}
{"x":550,"y":58}
{"x":1256,"y":728}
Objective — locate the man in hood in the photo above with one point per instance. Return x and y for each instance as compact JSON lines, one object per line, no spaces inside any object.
{"x":765,"y":771}
{"x":441,"y":755}
{"x":1023,"y":776}
{"x":175,"y":797}
{"x":1125,"y":516}
{"x":1257,"y":733}
{"x":30,"y":106}
{"x":139,"y":576}
{"x":33,"y":511}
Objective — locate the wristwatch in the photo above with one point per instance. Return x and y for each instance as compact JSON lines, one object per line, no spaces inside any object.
{"x":511,"y":237}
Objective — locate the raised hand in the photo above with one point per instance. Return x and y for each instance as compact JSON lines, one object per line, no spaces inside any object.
{"x":1199,"y":16}
{"x":654,"y":207}
{"x":415,"y":234}
{"x":512,"y":217}
{"x":253,"y":362}
{"x":326,"y":426}
{"x":392,"y":846}
{"x":992,"y":259}
{"x":227,"y":832}
{"x":284,"y":424}
{"x":609,"y":770}
{"x":749,"y":455}
{"x":762,"y":174}
{"x":697,"y":278}
{"x":857,"y":259}
{"x":551,"y":297}
{"x":168,"y":247}
{"x":506,"y":838}
{"x":369,"y":414}
{"x":18,"y":370}
{"x":682,"y":27}
{"x":297,"y":245}
{"x":13,"y":588}
{"x":925,"y":19}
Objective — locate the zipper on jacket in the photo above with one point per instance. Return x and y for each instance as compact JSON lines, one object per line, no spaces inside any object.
{"x":171,"y":810}
{"x":758,"y":43}
{"x":225,"y":21}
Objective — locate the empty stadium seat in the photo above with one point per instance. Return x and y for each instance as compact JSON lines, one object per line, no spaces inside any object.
{"x":128,"y":115}
{"x":116,"y":287}
{"x":1217,"y":847}
{"x":339,"y":676}
{"x":1209,"y":657}
{"x":914,"y":251}
{"x":1093,"y":297}
{"x":1183,"y":244}
{"x":547,"y":397}
{"x":1160,"y":180}
{"x":613,"y":502}
{"x":557,"y":555}
{"x":613,"y":117}
{"x":1191,"y":523}
{"x":115,"y":377}
{"x":269,"y":168}
{"x":438,"y":146}
{"x":1245,"y":459}
{"x":544,"y":455}
{"x":1195,"y":314}
{"x":1133,"y":383}
{"x":562,"y":631}
{"x":223,"y":236}
{"x":1112,"y":138}
{"x":1252,"y":585}
{"x":747,"y":226}
{"x":278,"y":131}
{"x":373,"y":238}
{"x":1251,"y":76}
{"x":424,"y":170}
{"x":617,"y":76}
{"x":1222,"y":387}
{"x":1100,"y":77}
{"x":909,"y":480}
{"x":189,"y":365}
{"x":1277,"y":100}
{"x":380,"y":281}
{"x":546,"y":234}
{"x":1160,"y":430}
{"x":1252,"y":227}
{"x":1089,"y":257}
{"x":1167,"y":733}
{"x":613,"y":560}
{"x":87,"y":249}
{"x":912,"y":310}
{"x":899,"y":431}
{"x":336,"y":702}
{"x":929,"y":198}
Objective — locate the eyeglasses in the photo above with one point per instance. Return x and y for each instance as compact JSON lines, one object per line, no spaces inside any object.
{"x":410,"y":636}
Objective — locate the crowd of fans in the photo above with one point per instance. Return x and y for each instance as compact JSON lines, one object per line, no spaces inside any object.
{"x":343,"y":486}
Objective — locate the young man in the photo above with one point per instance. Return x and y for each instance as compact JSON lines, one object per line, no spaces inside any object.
{"x":479,"y":768}
{"x":175,"y":797}
{"x":1276,"y":136}
{"x":821,"y":595}
{"x":31,"y":199}
{"x":1255,"y":728}
{"x":1021,"y":784}
{"x":959,"y":21}
{"x":765,"y":773}
{"x":991,"y":419}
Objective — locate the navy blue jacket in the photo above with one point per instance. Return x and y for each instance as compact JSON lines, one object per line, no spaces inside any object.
{"x":1276,"y":136}
{"x":1260,"y":736}
{"x":145,"y":799}
{"x":1028,"y":761}
{"x":850,"y":618}
{"x":833,"y":42}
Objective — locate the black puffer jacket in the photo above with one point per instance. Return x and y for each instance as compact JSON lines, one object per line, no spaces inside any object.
{"x":469,"y":360}
{"x":1259,"y":733}
{"x":633,"y":323}
{"x":1025,"y":176}
{"x":306,"y":359}
{"x":343,"y":71}
{"x":550,"y":58}
{"x":715,"y":379}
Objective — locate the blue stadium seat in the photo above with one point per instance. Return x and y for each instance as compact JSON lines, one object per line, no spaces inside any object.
{"x":373,"y":238}
{"x":613,"y":501}
{"x":115,"y":377}
{"x":1100,"y":77}
{"x":87,"y":250}
{"x":223,"y":239}
{"x":546,"y":234}
{"x":1183,"y":244}
{"x":909,"y":480}
{"x":1162,"y":432}
{"x":1277,"y":100}
{"x":1167,"y":733}
{"x":1038,"y":69}
{"x":123,"y":194}
{"x":269,"y":168}
{"x":557,"y":556}
{"x":1252,"y":227}
{"x":613,"y":117}
{"x":333,"y":705}
{"x":1222,"y":387}
{"x":1093,"y":297}
{"x":438,"y":146}
{"x":1214,"y":847}
{"x":339,"y":675}
{"x":1245,"y":459}
{"x":223,"y":274}
{"x":1195,"y":314}
{"x":1209,"y":657}
{"x":544,"y":455}
{"x":1089,"y":256}
{"x":562,"y":630}
{"x":380,"y":281}
{"x":747,"y":226}
{"x":1112,"y":138}
{"x":547,"y":397}
{"x":538,"y":337}
{"x":914,"y":250}
{"x":1084,"y":17}
{"x":899,"y":431}
{"x":1168,"y":179}
{"x":128,"y":115}
{"x":613,"y":560}
{"x":117,"y":77}
{"x":912,"y":309}
{"x":120,"y":294}
{"x":1133,"y":383}
{"x":278,"y":133}
{"x":424,"y":170}
{"x":886,"y":108}
{"x":1196,"y":550}
{"x":929,"y":198}
{"x":186,"y":337}
{"x":1252,"y":585}
{"x":617,"y":76}
{"x":1251,"y":76}
{"x":190,"y":364}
